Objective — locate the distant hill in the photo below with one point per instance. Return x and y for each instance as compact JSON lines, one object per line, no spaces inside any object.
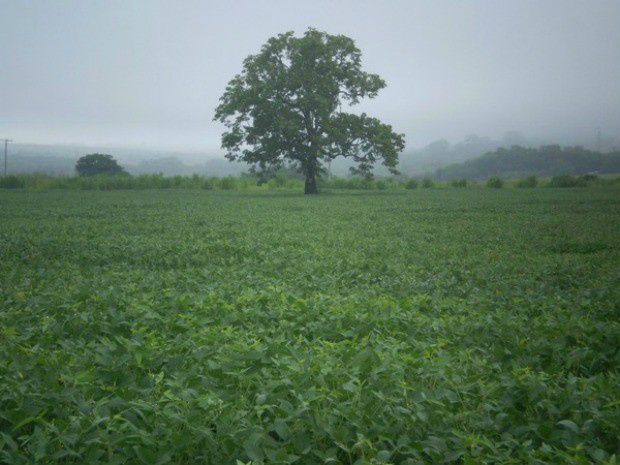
{"x":446,"y":160}
{"x":59,"y":160}
{"x":518,"y":162}
{"x":46,"y":164}
{"x":442,"y":153}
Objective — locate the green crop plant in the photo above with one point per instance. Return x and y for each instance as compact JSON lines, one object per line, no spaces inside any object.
{"x":173,"y":326}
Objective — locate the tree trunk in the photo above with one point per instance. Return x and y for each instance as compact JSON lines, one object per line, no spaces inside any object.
{"x":310,"y":185}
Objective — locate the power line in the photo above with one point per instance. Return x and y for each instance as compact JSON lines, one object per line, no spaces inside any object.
{"x":6,"y":143}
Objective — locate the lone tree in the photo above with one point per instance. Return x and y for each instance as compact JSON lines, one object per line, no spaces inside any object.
{"x":98,"y":163}
{"x":286,"y":105}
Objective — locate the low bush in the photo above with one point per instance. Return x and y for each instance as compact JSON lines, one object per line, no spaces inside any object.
{"x":427,"y":183}
{"x":411,"y":184}
{"x":381,"y":185}
{"x":12,"y":182}
{"x":590,"y":179}
{"x":530,"y":181}
{"x":459,"y":182}
{"x":495,"y":182}
{"x":567,"y":180}
{"x":228,"y":183}
{"x":277,"y":181}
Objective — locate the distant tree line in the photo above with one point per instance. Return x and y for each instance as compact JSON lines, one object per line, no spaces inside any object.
{"x":515,"y":167}
{"x":281,"y":181}
{"x":546,"y":161}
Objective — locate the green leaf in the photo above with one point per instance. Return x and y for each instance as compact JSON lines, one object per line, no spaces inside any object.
{"x":568,"y":424}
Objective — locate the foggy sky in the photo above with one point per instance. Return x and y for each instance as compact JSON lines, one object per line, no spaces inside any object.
{"x":149,"y":73}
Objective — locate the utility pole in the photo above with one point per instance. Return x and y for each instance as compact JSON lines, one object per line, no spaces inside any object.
{"x":6,"y":142}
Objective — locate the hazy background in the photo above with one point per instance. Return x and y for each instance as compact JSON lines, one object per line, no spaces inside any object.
{"x":133,"y":76}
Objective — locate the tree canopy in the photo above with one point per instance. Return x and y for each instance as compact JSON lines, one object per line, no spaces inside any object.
{"x":519,"y":162}
{"x":286,"y":106}
{"x":98,"y":164}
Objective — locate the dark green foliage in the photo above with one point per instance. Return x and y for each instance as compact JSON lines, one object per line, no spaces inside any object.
{"x":546,"y":161}
{"x":428,"y":182}
{"x":566,"y":180}
{"x":280,"y":181}
{"x":381,"y":184}
{"x":12,"y":182}
{"x":141,"y":182}
{"x":228,"y":183}
{"x":284,"y":171}
{"x":286,"y":106}
{"x":98,"y":164}
{"x":354,"y":183}
{"x":590,"y":179}
{"x":495,"y":182}
{"x":529,"y":182}
{"x":408,"y":327}
{"x":458,"y":183}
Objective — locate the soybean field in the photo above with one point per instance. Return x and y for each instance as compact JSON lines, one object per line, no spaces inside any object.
{"x":457,"y":326}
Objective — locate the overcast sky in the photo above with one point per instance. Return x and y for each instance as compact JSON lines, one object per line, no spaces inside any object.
{"x":149,"y":73}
